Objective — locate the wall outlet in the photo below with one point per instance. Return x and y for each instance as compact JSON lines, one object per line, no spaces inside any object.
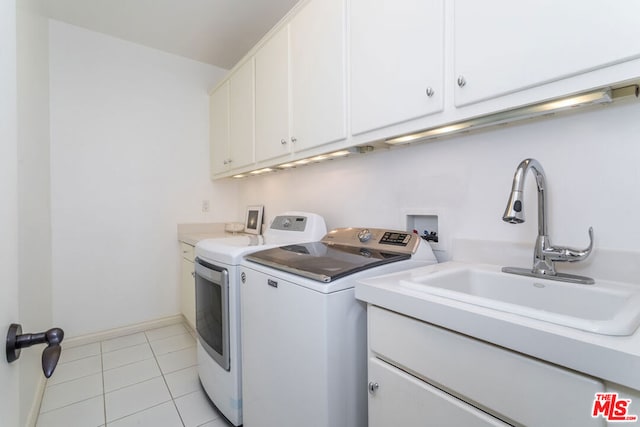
{"x":206,"y":206}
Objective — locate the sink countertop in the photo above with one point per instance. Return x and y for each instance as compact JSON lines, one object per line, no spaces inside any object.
{"x":192,"y":233}
{"x":611,"y":358}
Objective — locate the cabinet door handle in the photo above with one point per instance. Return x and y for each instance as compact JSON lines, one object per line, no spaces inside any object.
{"x":373,"y":387}
{"x":461,"y":81}
{"x":283,"y":141}
{"x":193,"y":273}
{"x":294,"y":140}
{"x":430,"y":92}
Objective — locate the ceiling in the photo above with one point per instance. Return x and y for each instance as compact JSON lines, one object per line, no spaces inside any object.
{"x":217,"y":32}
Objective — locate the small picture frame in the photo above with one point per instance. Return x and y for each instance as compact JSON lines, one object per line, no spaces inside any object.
{"x":253,"y":221}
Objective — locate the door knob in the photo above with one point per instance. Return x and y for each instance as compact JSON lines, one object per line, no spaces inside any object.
{"x":16,"y":341}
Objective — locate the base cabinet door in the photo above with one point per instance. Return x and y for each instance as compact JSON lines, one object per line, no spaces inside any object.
{"x":188,"y":293}
{"x":399,"y":399}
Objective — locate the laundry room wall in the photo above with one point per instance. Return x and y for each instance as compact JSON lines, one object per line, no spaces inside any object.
{"x":590,"y":159}
{"x":129,"y":160}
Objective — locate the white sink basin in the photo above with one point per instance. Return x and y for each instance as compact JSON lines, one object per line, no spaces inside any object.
{"x":607,"y":308}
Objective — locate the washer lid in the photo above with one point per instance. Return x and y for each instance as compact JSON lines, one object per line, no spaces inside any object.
{"x":324,"y":262}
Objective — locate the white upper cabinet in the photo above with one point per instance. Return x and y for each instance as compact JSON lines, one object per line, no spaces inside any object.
{"x":410,"y":65}
{"x":231,"y":122}
{"x":397,"y":61}
{"x":502,"y":46}
{"x":272,"y":97}
{"x":241,"y":120}
{"x":318,"y":74}
{"x":219,"y":129}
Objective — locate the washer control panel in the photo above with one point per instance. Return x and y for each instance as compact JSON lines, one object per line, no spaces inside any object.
{"x":374,"y":238}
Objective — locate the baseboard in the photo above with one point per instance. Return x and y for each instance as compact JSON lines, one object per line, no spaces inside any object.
{"x":32,"y":416}
{"x":125,"y":330}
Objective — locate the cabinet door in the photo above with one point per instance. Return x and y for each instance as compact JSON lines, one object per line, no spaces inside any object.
{"x":241,"y":123}
{"x":503,"y":46}
{"x":241,"y":120}
{"x":397,"y":61}
{"x":318,"y":74}
{"x":219,"y":129}
{"x":188,"y":293}
{"x":272,"y":97}
{"x":403,"y":400}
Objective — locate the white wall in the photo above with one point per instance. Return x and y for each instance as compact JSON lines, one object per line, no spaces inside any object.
{"x":129,"y":160}
{"x":590,"y":159}
{"x":9,"y":399}
{"x":34,"y":201}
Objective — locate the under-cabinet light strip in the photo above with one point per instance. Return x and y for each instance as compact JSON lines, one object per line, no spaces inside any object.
{"x":601,"y":96}
{"x":308,"y":160}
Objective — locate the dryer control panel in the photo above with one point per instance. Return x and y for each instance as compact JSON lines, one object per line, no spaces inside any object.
{"x":289,"y":222}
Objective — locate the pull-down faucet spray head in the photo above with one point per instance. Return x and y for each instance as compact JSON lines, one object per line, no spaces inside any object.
{"x":514,"y":213}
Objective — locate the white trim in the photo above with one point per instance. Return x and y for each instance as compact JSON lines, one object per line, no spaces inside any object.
{"x":125,"y":330}
{"x":32,"y":416}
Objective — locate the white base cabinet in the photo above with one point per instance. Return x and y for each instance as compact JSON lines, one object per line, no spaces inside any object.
{"x":188,"y":285}
{"x":399,"y":399}
{"x":483,"y":379}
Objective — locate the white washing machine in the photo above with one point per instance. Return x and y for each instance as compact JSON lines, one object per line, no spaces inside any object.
{"x":218,"y":304}
{"x":304,"y":333}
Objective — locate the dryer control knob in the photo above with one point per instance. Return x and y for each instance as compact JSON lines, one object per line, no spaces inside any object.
{"x":286,"y":223}
{"x":364,"y":235}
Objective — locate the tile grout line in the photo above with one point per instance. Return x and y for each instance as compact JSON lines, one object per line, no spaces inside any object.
{"x":104,"y":395}
{"x":67,"y":405}
{"x":138,"y":412}
{"x":47,"y":385}
{"x":126,"y":364}
{"x":165,"y":383}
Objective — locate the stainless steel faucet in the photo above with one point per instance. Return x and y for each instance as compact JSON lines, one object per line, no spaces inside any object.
{"x":544,"y":255}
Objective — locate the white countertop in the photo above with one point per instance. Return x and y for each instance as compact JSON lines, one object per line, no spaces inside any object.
{"x":611,"y":358}
{"x":192,"y":233}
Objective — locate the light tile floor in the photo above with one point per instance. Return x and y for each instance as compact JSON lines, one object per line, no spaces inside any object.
{"x":143,"y":379}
